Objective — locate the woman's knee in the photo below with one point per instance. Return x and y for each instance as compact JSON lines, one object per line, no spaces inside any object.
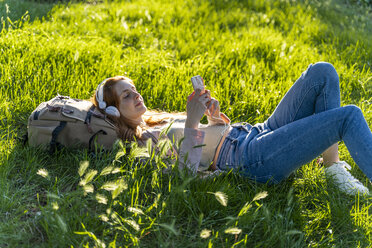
{"x":351,"y":115}
{"x":352,"y":118}
{"x":326,"y":70}
{"x":353,"y":111}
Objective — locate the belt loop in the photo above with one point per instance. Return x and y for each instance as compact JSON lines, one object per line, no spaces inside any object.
{"x":243,"y":127}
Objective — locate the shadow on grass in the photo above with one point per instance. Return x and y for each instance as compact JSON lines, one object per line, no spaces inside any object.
{"x":345,"y":25}
{"x":15,"y":9}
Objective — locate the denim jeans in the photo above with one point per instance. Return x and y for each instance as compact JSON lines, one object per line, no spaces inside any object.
{"x":306,"y":122}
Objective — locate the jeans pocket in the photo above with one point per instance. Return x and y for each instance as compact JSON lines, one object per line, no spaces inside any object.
{"x":233,"y":154}
{"x":226,"y":158}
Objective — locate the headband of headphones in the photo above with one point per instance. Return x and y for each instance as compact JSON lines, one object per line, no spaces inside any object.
{"x":110,"y":110}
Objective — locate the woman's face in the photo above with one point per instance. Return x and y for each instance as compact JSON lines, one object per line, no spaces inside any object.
{"x":131,"y":104}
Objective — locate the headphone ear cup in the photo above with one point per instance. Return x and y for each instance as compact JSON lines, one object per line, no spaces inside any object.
{"x":102,"y":104}
{"x":111,"y":110}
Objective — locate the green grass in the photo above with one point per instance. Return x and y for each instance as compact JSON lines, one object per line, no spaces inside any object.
{"x":249,"y":52}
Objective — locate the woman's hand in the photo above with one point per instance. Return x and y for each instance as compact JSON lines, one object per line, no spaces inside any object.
{"x":215,"y":117}
{"x":196,"y":107}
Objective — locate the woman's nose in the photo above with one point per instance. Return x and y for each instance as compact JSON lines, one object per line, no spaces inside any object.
{"x":137,"y":95}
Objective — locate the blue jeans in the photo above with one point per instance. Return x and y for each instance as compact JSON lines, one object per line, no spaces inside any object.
{"x":306,"y":122}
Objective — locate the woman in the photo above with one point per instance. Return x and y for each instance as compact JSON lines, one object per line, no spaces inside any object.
{"x":307,"y":122}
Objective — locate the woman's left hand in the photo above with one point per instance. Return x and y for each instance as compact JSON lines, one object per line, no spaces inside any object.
{"x":215,"y":117}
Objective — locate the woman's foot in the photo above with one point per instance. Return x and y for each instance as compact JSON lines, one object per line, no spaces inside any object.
{"x":348,"y":184}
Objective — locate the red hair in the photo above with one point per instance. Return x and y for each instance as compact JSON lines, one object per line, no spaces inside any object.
{"x":127,"y":129}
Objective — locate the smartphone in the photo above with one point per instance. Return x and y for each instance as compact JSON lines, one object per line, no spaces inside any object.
{"x":198,"y":83}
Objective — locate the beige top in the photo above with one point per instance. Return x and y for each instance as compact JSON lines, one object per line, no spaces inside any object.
{"x":213,"y":135}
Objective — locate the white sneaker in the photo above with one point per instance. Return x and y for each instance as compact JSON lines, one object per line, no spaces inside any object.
{"x":345,"y":181}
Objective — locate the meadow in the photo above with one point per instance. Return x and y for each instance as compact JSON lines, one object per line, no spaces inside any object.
{"x":249,"y":53}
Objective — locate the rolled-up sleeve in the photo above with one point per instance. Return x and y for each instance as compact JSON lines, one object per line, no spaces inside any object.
{"x":191,"y":150}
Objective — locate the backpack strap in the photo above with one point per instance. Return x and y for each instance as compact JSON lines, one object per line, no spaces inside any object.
{"x":88,"y":118}
{"x":24,"y":139}
{"x":36,"y":115}
{"x":93,"y":137}
{"x":54,"y":145}
{"x":89,"y":115}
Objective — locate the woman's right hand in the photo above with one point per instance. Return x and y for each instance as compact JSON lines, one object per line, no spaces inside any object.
{"x":196,"y":106}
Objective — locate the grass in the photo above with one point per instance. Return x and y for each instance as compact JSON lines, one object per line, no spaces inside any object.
{"x":249,"y":52}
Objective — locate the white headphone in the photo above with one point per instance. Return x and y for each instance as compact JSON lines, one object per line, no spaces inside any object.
{"x":110,"y":110}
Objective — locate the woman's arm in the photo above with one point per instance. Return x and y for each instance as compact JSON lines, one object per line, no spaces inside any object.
{"x":191,"y":150}
{"x":191,"y":146}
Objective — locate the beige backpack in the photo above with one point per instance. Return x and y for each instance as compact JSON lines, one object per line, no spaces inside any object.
{"x":63,"y":121}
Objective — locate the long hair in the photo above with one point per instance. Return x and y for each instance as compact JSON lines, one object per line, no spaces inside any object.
{"x":127,"y":129}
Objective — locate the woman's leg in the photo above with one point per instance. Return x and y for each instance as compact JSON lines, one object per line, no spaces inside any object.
{"x":278,"y":153}
{"x":317,"y":90}
{"x":330,"y":156}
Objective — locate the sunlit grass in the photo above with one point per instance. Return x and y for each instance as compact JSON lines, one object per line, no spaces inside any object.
{"x":248,"y":52}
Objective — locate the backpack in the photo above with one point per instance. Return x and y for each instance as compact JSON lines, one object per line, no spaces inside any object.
{"x":64,"y":121}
